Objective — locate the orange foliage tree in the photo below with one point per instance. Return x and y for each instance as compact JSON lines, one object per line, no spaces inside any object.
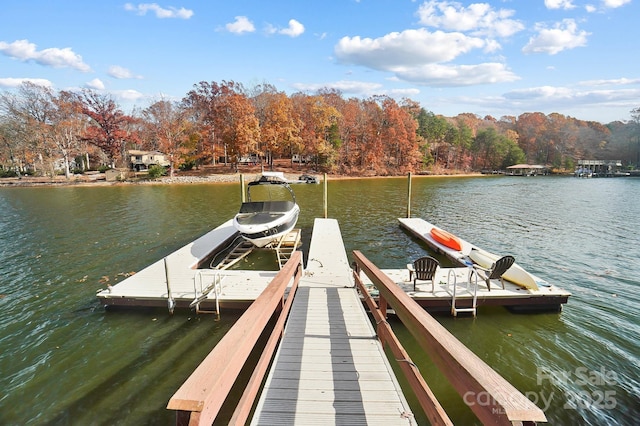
{"x":109,"y":127}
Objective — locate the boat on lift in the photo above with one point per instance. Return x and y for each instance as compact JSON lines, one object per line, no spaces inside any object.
{"x":263,"y":220}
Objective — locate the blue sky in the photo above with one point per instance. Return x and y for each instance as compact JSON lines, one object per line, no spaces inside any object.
{"x":499,"y":57}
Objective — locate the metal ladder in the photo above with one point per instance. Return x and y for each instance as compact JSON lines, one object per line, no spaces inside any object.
{"x":202,"y":294}
{"x":239,"y":252}
{"x":455,"y":310}
{"x":287,"y":245}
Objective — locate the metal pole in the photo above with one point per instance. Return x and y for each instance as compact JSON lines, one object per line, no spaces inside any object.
{"x":409,"y":195}
{"x":171,"y":304}
{"x":242,"y":194}
{"x":325,"y":201}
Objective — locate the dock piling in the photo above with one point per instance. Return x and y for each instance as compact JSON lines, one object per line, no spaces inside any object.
{"x":409,"y":195}
{"x":324,"y":193}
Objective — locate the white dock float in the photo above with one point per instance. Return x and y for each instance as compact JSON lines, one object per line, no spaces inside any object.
{"x":237,"y":288}
{"x":546,"y":297}
{"x":330,"y":367}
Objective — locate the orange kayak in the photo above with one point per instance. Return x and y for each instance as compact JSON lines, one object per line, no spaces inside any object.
{"x":446,"y":239}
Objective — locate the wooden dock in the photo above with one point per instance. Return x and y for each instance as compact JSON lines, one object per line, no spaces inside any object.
{"x":330,"y":367}
{"x":324,"y":363}
{"x":546,"y":297}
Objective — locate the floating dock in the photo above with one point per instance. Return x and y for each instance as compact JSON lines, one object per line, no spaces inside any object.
{"x":547,"y":297}
{"x":184,"y":276}
{"x":183,"y":279}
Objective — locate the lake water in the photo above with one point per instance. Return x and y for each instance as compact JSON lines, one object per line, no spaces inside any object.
{"x":64,"y":360}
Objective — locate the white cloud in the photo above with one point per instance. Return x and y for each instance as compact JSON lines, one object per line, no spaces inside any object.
{"x":346,"y":86}
{"x":96,"y":84}
{"x":119,"y":72}
{"x":439,"y":75}
{"x":417,"y":56}
{"x":477,"y":18}
{"x":564,"y":35}
{"x":294,"y":30}
{"x":550,"y":96}
{"x":611,"y":82}
{"x":54,"y":57}
{"x":405,"y":49}
{"x":128,"y":95}
{"x":162,"y":13}
{"x":615,"y":3}
{"x":357,"y":88}
{"x":559,"y":4}
{"x":242,"y":24}
{"x":17,"y":82}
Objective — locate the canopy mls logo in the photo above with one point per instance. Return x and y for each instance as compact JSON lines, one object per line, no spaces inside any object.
{"x":594,"y":390}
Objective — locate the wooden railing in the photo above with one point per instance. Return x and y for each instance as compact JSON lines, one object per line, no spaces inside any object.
{"x":492,"y":398}
{"x":199,"y":399}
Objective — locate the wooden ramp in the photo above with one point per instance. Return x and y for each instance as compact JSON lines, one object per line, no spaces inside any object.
{"x":330,"y":367}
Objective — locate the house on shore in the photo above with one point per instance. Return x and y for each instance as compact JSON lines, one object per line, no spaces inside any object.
{"x":142,"y":160}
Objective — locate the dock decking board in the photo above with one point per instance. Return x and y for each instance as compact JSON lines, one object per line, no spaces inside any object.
{"x":330,"y":367}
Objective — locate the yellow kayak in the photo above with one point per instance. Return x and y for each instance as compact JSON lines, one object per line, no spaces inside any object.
{"x":515,"y":274}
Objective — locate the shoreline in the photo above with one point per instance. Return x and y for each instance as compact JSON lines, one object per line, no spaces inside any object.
{"x":214,"y":178}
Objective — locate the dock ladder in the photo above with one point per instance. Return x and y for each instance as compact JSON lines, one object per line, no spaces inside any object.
{"x":454,"y":309}
{"x":287,"y":245}
{"x":202,"y":293}
{"x":239,"y":252}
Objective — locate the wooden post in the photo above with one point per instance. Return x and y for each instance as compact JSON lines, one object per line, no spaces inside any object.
{"x":409,"y":195}
{"x":325,"y":201}
{"x":242,"y":194}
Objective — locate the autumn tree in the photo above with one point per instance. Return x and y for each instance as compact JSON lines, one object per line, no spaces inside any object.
{"x":30,"y":111}
{"x":108,"y":126}
{"x":531,"y":127}
{"x":399,"y":132}
{"x":279,"y":126}
{"x":200,"y":103}
{"x":238,"y":127}
{"x":67,"y":125}
{"x":317,"y":119}
{"x":166,"y":123}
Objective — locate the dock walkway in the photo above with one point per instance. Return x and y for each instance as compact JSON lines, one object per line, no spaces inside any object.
{"x":330,"y":367}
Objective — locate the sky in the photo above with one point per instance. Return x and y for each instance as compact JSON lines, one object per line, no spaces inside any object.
{"x":499,"y":57}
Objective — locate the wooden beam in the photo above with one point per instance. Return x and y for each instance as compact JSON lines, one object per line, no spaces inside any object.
{"x":492,"y":398}
{"x":427,"y":399}
{"x":204,"y":392}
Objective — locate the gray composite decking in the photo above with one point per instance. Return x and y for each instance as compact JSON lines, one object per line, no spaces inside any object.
{"x":330,"y":367}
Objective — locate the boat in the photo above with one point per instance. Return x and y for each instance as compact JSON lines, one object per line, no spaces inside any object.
{"x":446,"y":238}
{"x":264,"y":221}
{"x":308,"y":179}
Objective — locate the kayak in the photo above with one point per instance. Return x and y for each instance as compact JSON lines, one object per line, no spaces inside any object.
{"x":447,"y":239}
{"x":515,"y":274}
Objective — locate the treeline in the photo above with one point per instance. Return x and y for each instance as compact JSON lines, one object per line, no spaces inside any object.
{"x":44,"y":131}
